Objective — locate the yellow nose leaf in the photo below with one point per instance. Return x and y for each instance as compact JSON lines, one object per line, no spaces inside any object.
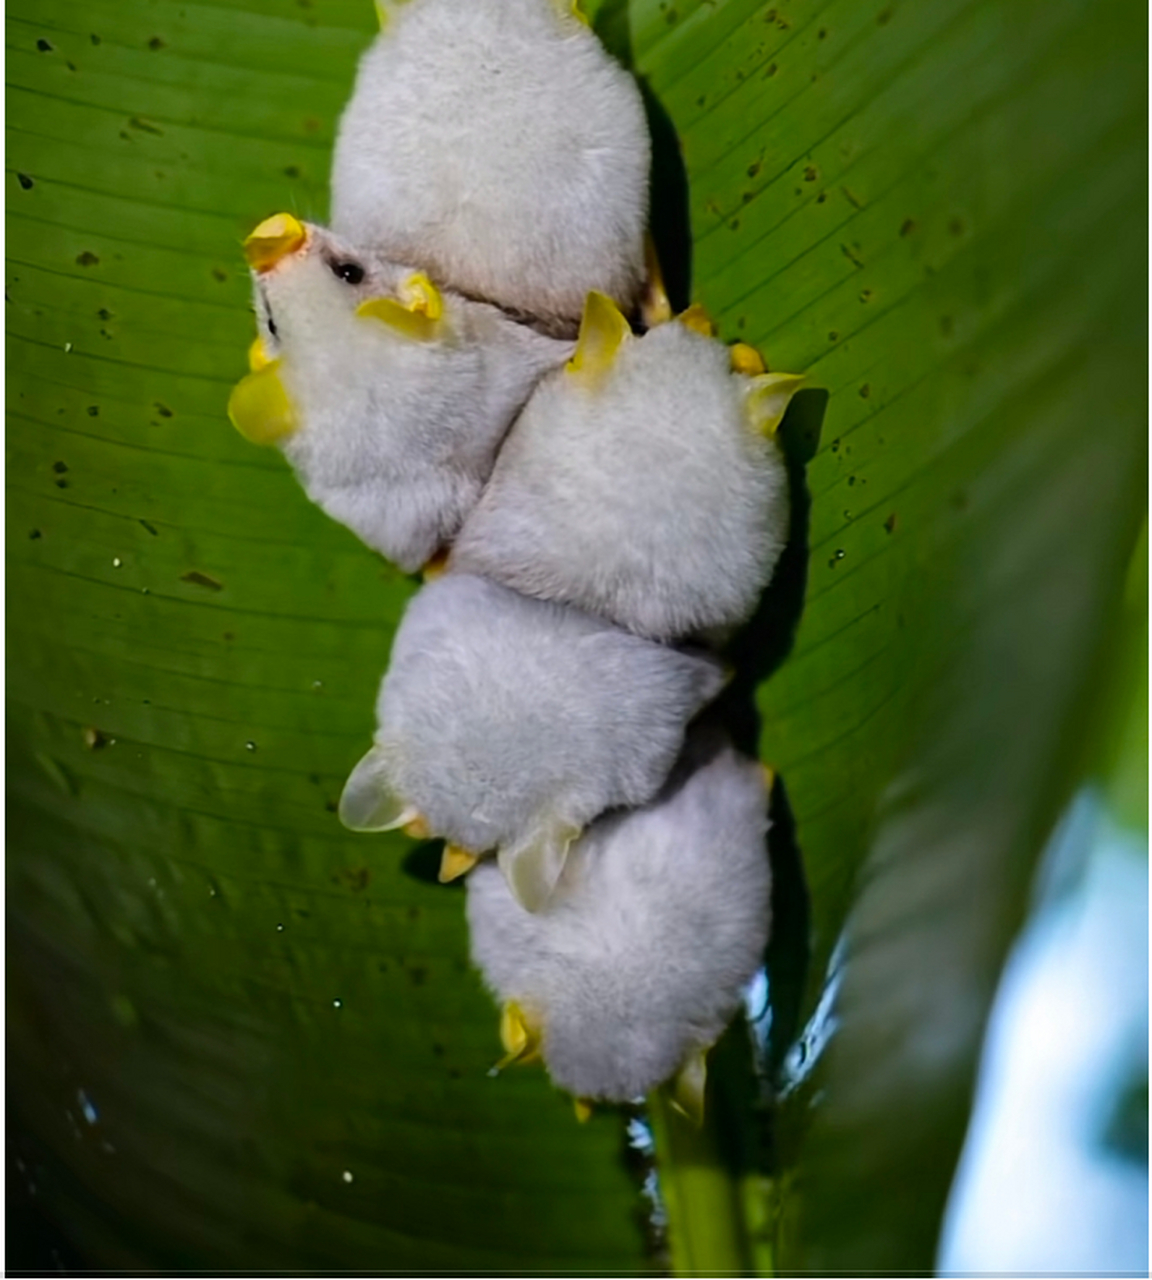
{"x":274,"y":239}
{"x":603,"y":330}
{"x":745,"y":359}
{"x":418,"y":293}
{"x":258,"y":357}
{"x":698,"y":320}
{"x":410,"y":324}
{"x":768,"y":397}
{"x":520,"y":1039}
{"x":455,"y":862}
{"x":260,"y":408}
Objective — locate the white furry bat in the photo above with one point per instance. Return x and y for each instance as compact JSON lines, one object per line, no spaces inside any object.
{"x":509,"y":724}
{"x":636,"y":966}
{"x":497,"y":144}
{"x":388,"y":396}
{"x":641,"y":482}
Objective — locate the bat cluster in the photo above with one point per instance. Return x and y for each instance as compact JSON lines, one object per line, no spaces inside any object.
{"x":452,"y":373}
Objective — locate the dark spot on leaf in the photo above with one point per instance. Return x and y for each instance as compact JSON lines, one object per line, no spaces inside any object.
{"x":754,"y":168}
{"x":748,"y":195}
{"x":86,"y":259}
{"x":71,"y":66}
{"x":44,"y":46}
{"x":884,"y":17}
{"x":865,"y":295}
{"x":198,"y":579}
{"x":94,"y":38}
{"x":59,"y":467}
{"x":162,"y":409}
{"x":217,"y":274}
{"x":413,"y":913}
{"x":741,"y":322}
{"x":104,"y":313}
{"x":865,"y":391}
{"x":229,"y":636}
{"x":956,"y":226}
{"x":292,"y":171}
{"x":835,"y":446}
{"x":946,"y":326}
{"x":833,"y":336}
{"x":125,"y":136}
{"x":822,"y":197}
{"x":145,"y":126}
{"x":151,"y":528}
{"x":418,"y":975}
{"x":852,"y":257}
{"x":810,"y":174}
{"x":25,"y":181}
{"x":311,"y":124}
{"x":890,"y":523}
{"x":770,"y":16}
{"x":822,"y":34}
{"x":907,"y":227}
{"x":438,"y":1049}
{"x":851,"y":479}
{"x":93,"y":410}
{"x":852,"y":199}
{"x":734,"y":225}
{"x":771,"y":71}
{"x":35,"y":534}
{"x":157,"y":43}
{"x":61,"y":484}
{"x":671,"y":17}
{"x":454,"y":1073}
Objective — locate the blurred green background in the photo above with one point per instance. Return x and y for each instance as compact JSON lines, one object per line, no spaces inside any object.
{"x":240,"y":1037}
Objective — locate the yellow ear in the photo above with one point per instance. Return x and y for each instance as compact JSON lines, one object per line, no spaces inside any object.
{"x":688,"y":1086}
{"x":698,"y":320}
{"x":654,"y":306}
{"x":259,"y":407}
{"x":368,"y":802}
{"x":454,"y":863}
{"x":399,"y":318}
{"x":768,"y":397}
{"x":603,"y":330}
{"x":418,"y":293}
{"x":520,"y":1038}
{"x":258,"y":357}
{"x":745,"y":359}
{"x":273,"y":239}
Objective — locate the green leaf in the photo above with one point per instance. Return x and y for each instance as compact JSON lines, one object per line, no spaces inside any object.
{"x":937,"y":212}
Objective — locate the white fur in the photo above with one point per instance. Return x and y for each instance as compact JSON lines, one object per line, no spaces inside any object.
{"x":645,"y":496}
{"x":503,"y":718}
{"x":660,"y":918}
{"x":397,"y":435}
{"x":498,"y":145}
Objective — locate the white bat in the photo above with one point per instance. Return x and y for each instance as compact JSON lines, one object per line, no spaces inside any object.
{"x":641,"y":482}
{"x":498,"y":145}
{"x":659,"y":919}
{"x":508,"y":724}
{"x":388,"y":396}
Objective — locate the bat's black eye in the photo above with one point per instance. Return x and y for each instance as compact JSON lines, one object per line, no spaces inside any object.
{"x":351,"y":272}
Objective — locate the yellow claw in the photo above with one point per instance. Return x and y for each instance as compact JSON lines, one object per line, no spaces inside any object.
{"x":603,"y":330}
{"x":412,"y":323}
{"x":583,"y":1109}
{"x":260,"y":408}
{"x":688,"y":1087}
{"x":258,"y":357}
{"x":767,"y":399}
{"x":521,"y":1040}
{"x":275,"y":238}
{"x":698,"y":320}
{"x":769,"y":776}
{"x":746,"y":359}
{"x":654,"y":305}
{"x":454,"y":863}
{"x":571,"y":9}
